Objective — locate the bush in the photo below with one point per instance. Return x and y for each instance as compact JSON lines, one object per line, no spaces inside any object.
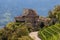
{"x":25,"y":38}
{"x":12,"y":31}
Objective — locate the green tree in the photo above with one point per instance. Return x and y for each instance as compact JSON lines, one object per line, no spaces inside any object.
{"x":14,"y":31}
{"x":55,"y":14}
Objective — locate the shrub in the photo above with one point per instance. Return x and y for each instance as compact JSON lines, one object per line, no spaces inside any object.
{"x":12,"y":31}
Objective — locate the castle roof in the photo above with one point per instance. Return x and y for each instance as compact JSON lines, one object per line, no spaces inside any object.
{"x":28,"y":12}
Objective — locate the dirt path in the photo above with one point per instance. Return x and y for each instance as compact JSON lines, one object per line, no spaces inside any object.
{"x":34,"y":35}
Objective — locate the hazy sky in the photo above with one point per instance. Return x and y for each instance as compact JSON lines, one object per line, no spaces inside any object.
{"x":11,"y":8}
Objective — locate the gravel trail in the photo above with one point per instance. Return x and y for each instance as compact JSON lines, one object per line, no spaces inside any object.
{"x":34,"y":35}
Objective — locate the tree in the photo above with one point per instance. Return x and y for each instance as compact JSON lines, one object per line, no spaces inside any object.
{"x":55,"y":14}
{"x":12,"y":31}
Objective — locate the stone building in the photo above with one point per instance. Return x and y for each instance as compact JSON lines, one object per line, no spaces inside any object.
{"x":29,"y":16}
{"x":43,"y":21}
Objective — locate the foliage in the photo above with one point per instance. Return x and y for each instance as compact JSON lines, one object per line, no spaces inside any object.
{"x":25,"y":38}
{"x":14,"y":31}
{"x":55,"y":13}
{"x":50,"y":33}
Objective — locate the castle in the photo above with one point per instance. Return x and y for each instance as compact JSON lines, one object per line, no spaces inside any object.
{"x":30,"y":17}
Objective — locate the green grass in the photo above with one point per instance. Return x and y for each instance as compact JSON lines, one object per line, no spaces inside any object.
{"x":50,"y":33}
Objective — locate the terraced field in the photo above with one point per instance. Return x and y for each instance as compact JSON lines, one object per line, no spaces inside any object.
{"x":50,"y":33}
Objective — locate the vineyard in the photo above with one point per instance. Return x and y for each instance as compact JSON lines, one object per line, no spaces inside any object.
{"x":50,"y":33}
